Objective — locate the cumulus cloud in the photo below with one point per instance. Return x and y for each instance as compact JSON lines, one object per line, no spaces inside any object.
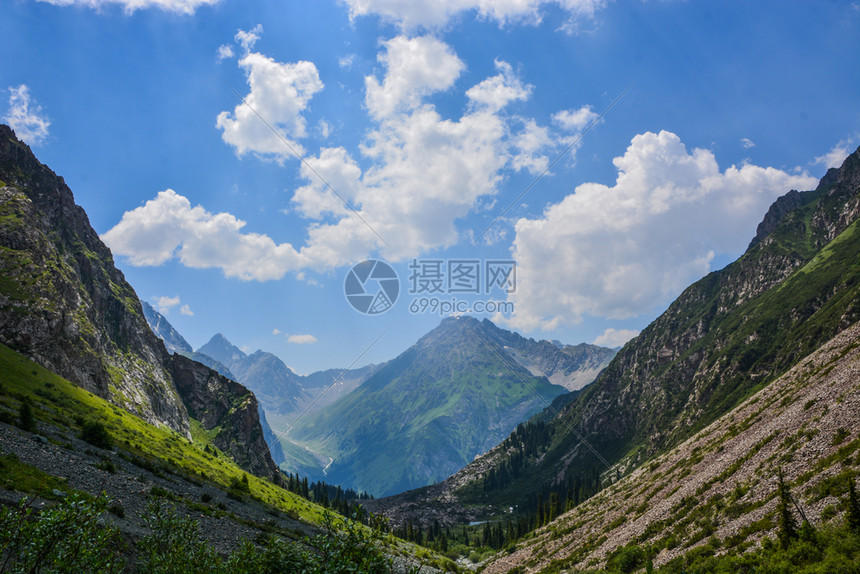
{"x":26,"y":117}
{"x":130,"y":6}
{"x":301,"y":339}
{"x":276,"y":331}
{"x":420,"y":173}
{"x":836,"y":155}
{"x":747,"y":143}
{"x":280,"y":93}
{"x":165,"y":304}
{"x":186,"y":310}
{"x":168,"y":227}
{"x":620,"y":251}
{"x":396,"y":195}
{"x":415,"y":67}
{"x":614,"y":337}
{"x":437,"y":13}
{"x":498,"y":91}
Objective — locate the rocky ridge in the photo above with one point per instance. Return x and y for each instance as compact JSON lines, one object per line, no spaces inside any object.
{"x":804,"y":423}
{"x":65,"y":305}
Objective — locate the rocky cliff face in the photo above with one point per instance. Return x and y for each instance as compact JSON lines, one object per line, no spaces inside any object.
{"x":274,"y":383}
{"x":177,"y":344}
{"x":223,"y":404}
{"x":64,"y":304}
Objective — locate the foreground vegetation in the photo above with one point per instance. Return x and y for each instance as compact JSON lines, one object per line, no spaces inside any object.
{"x":71,"y":537}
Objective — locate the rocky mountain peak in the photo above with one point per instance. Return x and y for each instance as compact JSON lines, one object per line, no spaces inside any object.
{"x":221,"y":349}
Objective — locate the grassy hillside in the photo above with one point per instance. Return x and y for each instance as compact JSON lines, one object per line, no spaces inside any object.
{"x":56,"y":401}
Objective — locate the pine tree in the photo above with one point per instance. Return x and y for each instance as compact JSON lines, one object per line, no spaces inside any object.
{"x":26,"y":420}
{"x":852,"y":516}
{"x":786,"y":521}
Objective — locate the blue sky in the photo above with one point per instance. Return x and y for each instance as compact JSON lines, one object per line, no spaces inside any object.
{"x":430,"y":118}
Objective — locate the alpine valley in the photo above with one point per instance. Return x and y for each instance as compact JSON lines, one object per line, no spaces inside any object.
{"x":723,"y":438}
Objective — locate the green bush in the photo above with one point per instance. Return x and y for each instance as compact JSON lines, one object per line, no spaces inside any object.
{"x":65,"y":538}
{"x":26,"y":420}
{"x":95,"y":433}
{"x":628,"y":559}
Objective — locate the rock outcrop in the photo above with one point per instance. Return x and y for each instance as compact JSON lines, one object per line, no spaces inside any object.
{"x":223,"y":405}
{"x":64,"y":304}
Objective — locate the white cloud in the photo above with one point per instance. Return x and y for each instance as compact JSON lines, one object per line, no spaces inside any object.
{"x":167,"y":227}
{"x":528,"y":145}
{"x":614,"y":337}
{"x":415,"y":67}
{"x":747,"y":143}
{"x":165,"y":304}
{"x":26,"y":117}
{"x":436,"y":13}
{"x":836,"y":155}
{"x":276,"y":331}
{"x":575,"y":120}
{"x":225,"y":52}
{"x":280,"y":93}
{"x":346,"y":62}
{"x":423,"y":173}
{"x":248,"y":38}
{"x":620,"y":251}
{"x":302,"y":339}
{"x":498,"y":91}
{"x":130,"y":6}
{"x":413,"y":211}
{"x":186,"y":310}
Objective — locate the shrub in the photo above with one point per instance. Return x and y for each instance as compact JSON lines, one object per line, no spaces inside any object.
{"x":95,"y":433}
{"x":628,"y":559}
{"x":26,"y":420}
{"x":65,"y":538}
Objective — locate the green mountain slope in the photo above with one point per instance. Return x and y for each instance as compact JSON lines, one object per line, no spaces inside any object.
{"x":427,"y":413}
{"x":725,"y":337}
{"x":66,"y":306}
{"x":717,"y":492}
{"x":59,"y":407}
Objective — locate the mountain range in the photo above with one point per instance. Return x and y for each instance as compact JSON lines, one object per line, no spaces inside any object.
{"x":727,"y":337}
{"x":450,"y":397}
{"x":731,"y":417}
{"x":174,"y":342}
{"x":316,"y":408}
